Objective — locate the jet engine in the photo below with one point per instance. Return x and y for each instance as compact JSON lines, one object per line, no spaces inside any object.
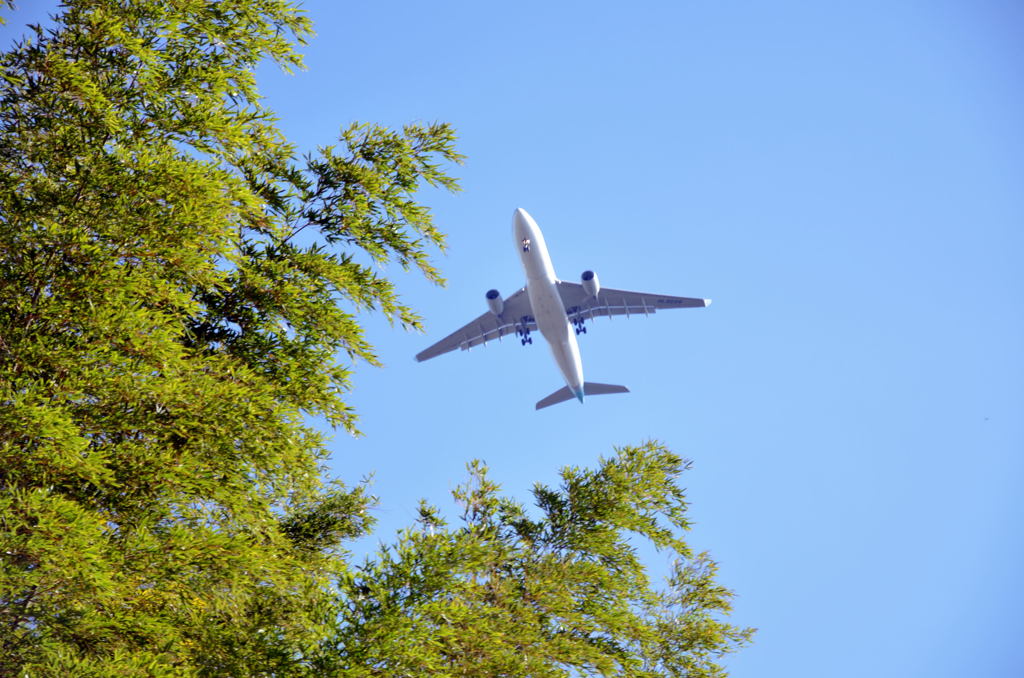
{"x":590,"y":283}
{"x":494,"y":302}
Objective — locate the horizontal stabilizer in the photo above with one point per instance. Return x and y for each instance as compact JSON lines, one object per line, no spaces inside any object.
{"x":589,"y":388}
{"x":559,"y":396}
{"x":593,"y":388}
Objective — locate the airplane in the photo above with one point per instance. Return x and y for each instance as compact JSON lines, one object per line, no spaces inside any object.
{"x":557,"y":308}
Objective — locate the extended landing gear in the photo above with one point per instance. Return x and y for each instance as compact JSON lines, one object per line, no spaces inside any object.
{"x":524,"y":334}
{"x":576,"y":319}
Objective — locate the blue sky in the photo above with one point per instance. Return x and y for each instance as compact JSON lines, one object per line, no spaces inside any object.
{"x":847,"y":184}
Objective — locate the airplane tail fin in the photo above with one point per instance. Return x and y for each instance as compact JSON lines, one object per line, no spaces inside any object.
{"x":589,"y":388}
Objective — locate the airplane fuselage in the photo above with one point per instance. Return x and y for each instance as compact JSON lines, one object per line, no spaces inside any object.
{"x":548,"y":309}
{"x":558,"y":309}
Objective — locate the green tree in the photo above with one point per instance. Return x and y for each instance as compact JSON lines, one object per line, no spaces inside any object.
{"x":165,"y":330}
{"x":179,"y":291}
{"x":557,"y":595}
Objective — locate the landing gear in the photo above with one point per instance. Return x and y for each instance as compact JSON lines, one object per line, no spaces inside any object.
{"x":523,"y":330}
{"x":577,"y":319}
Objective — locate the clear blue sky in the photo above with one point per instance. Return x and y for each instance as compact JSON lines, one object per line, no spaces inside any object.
{"x":847,"y":184}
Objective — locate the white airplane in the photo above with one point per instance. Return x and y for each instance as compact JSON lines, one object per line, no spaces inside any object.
{"x":556,"y":308}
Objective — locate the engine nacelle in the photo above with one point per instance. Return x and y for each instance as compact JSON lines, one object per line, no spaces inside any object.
{"x":590,"y":283}
{"x":494,"y":302}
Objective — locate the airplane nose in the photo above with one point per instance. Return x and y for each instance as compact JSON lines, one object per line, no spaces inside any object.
{"x":520,"y":222}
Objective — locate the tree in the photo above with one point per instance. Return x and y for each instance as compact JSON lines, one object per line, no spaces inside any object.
{"x":562,"y":594}
{"x":173,"y":287}
{"x":177,"y":284}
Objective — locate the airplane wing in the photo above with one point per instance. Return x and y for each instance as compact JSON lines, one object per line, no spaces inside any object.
{"x":516,"y":316}
{"x":580,"y":306}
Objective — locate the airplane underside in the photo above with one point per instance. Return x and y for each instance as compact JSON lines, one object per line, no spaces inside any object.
{"x":558,"y":309}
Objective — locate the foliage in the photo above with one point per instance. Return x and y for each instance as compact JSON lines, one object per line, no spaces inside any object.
{"x":164,"y":330}
{"x":177,"y":284}
{"x":564,"y":594}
